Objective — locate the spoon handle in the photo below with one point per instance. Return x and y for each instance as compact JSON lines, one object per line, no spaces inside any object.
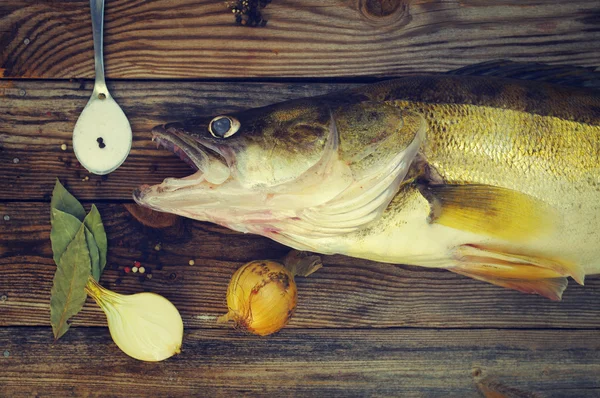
{"x":97,"y":9}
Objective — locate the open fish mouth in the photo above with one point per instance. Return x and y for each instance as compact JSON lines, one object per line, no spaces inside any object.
{"x":212,"y":164}
{"x":210,"y":167}
{"x":175,"y":146}
{"x":173,"y":138}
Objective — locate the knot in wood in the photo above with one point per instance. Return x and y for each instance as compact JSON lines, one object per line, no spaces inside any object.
{"x":384,"y":11}
{"x":381,"y":8}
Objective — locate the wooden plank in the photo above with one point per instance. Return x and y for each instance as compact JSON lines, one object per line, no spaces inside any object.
{"x":36,"y":118}
{"x":403,"y":362}
{"x":346,"y":293}
{"x":310,"y":38}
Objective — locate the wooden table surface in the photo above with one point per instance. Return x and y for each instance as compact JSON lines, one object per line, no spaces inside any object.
{"x":361,"y":328}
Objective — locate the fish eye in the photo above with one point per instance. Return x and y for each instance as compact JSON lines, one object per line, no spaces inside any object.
{"x":223,"y":126}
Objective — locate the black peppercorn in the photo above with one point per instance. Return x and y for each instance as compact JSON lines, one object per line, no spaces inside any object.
{"x":247,"y":12}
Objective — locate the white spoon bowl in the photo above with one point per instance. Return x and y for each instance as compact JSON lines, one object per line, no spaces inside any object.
{"x":102,"y":136}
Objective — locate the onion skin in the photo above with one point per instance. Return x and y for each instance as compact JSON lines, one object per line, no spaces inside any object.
{"x":261,"y":297}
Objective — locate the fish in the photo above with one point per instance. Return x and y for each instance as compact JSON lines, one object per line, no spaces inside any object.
{"x":491,"y":171}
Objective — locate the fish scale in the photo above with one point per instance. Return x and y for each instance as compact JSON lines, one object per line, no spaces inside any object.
{"x":474,"y":148}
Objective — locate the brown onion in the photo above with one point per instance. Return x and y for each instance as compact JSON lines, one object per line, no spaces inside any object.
{"x":262,"y":295}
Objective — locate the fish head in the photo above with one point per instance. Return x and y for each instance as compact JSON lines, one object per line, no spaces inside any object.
{"x":269,"y":146}
{"x":264,"y":169}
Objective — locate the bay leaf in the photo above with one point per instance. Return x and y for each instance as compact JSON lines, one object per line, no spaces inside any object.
{"x":64,"y":229}
{"x":94,"y":255}
{"x":93,"y":222}
{"x":68,"y":290}
{"x":63,"y":200}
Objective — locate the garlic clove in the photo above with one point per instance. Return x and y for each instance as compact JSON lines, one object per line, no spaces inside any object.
{"x":145,"y":326}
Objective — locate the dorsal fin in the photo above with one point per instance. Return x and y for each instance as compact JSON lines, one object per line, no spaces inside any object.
{"x":566,"y":75}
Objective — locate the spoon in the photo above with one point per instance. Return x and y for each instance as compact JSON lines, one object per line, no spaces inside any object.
{"x":102,"y":135}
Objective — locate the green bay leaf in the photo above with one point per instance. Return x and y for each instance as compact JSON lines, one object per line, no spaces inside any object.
{"x":94,"y":255}
{"x":93,"y":222}
{"x":68,"y":290}
{"x":62,"y":200}
{"x":64,"y":229}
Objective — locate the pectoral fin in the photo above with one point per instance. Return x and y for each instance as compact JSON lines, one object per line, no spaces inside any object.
{"x":526,"y":273}
{"x":491,"y":211}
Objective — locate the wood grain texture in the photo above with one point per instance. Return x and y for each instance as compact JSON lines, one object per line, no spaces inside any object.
{"x":346,"y":293}
{"x":36,"y":118}
{"x":362,"y":328}
{"x":310,"y":38}
{"x":401,"y":362}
